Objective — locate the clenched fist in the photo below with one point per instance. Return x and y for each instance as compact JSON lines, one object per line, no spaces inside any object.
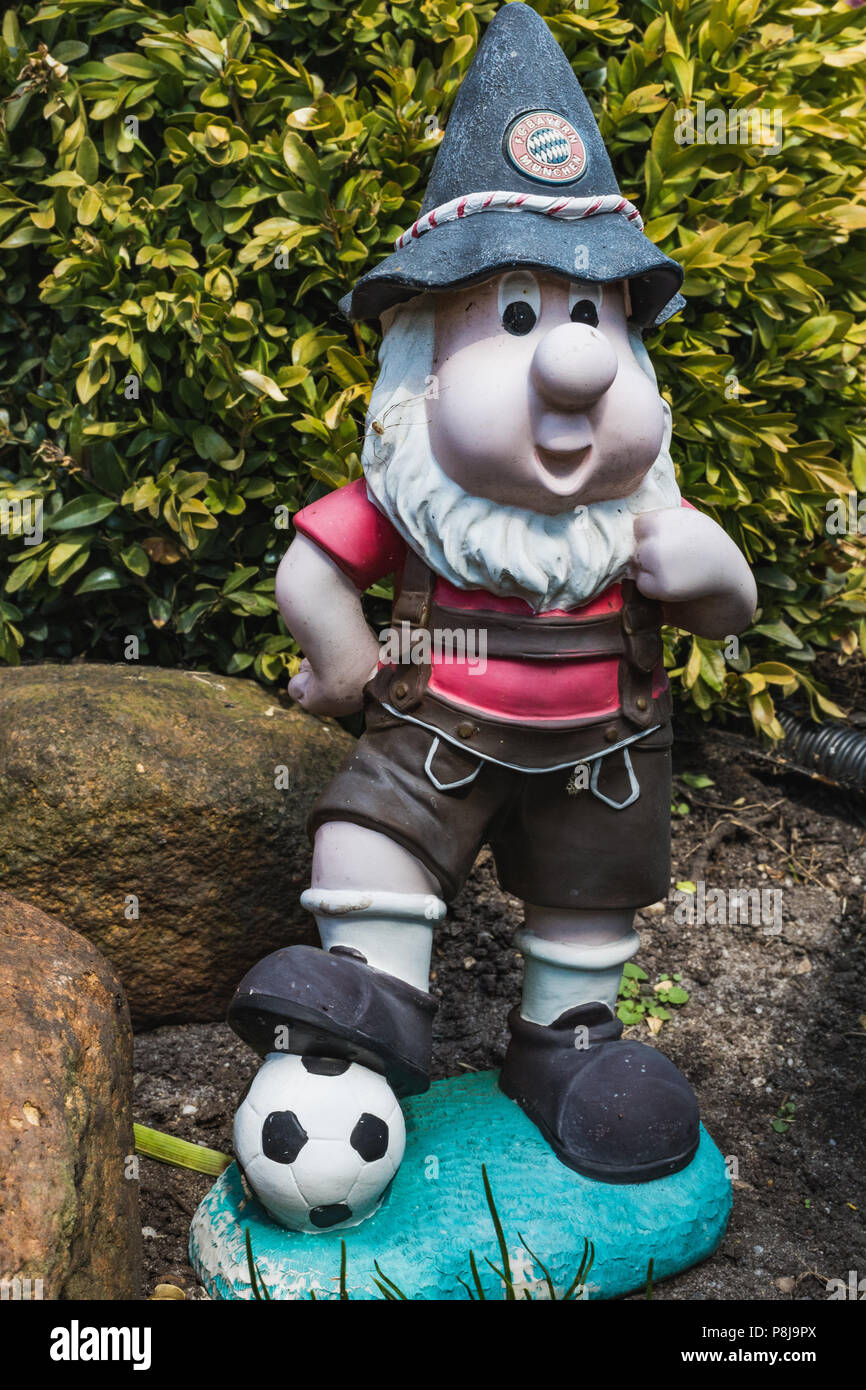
{"x":687,"y":562}
{"x":322,"y":608}
{"x":339,"y":695}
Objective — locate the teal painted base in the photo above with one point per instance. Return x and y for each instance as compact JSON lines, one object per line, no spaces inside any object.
{"x":436,"y":1212}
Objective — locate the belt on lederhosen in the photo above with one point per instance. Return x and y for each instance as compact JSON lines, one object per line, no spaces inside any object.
{"x":632,"y":635}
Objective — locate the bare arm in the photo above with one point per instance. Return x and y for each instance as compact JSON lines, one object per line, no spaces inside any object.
{"x":322,"y":609}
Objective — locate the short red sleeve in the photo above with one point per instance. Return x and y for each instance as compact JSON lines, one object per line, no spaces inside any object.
{"x":354,"y":533}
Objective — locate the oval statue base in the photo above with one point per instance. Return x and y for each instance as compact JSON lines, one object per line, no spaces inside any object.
{"x":437,"y":1212}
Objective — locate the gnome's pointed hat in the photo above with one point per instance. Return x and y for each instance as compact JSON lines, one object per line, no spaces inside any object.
{"x":522,"y":178}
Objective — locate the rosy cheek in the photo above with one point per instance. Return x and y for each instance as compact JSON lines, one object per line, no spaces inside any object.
{"x":458,"y":427}
{"x":634,"y":386}
{"x":472,"y":385}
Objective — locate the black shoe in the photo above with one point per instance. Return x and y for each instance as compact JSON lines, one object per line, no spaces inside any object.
{"x":615,"y":1111}
{"x":333,"y":1004}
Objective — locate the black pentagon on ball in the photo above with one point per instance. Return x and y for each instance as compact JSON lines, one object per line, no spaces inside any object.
{"x":369,"y":1138}
{"x":323,"y":1217}
{"x":283,"y":1136}
{"x":326,"y":1066}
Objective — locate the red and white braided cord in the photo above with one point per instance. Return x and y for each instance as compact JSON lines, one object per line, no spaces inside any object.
{"x":569,"y":209}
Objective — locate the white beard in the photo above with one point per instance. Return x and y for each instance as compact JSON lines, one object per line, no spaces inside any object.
{"x":558,"y":561}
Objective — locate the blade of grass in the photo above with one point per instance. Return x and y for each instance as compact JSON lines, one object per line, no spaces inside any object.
{"x":167,"y":1148}
{"x":397,"y":1291}
{"x":497,"y":1271}
{"x":545,"y":1271}
{"x":250,"y":1265}
{"x":386,"y":1293}
{"x":500,"y":1235}
{"x":580,"y":1277}
{"x":255,"y":1277}
{"x":479,"y":1287}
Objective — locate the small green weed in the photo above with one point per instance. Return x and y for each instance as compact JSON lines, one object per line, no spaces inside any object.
{"x":651,"y":1004}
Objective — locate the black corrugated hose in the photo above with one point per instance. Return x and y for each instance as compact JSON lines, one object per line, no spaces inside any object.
{"x":834,"y":751}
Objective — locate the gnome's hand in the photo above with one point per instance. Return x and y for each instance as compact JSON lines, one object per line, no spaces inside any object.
{"x":342,"y":693}
{"x":687,"y":562}
{"x":322,"y":609}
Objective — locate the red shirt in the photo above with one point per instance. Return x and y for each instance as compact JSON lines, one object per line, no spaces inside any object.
{"x":358,"y":538}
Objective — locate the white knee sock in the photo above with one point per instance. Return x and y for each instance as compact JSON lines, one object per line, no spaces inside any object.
{"x":559,"y":975}
{"x":394,"y":931}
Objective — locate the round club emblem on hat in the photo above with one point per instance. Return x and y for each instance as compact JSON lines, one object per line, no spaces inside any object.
{"x":544,"y":146}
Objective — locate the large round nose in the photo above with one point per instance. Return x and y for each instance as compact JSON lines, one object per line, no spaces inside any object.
{"x":573,"y":366}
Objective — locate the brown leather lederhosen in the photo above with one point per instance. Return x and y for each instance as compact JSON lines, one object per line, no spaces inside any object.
{"x":633,"y":634}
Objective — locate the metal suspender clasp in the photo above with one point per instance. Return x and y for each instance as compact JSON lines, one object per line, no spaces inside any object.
{"x":634,"y":785}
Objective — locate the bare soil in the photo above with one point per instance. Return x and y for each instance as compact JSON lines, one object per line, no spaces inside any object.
{"x":773,"y":1020}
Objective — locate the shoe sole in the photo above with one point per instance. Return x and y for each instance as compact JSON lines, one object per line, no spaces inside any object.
{"x":254,"y":1016}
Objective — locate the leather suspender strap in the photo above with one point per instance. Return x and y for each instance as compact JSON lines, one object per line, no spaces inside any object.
{"x":414,"y":602}
{"x":641,"y":628}
{"x":413,"y":606}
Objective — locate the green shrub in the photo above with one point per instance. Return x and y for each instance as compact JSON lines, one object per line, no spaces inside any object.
{"x":186,"y":194}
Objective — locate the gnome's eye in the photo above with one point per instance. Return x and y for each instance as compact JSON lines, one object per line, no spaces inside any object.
{"x":584,"y":302}
{"x":518,"y":317}
{"x":519,"y":300}
{"x":585,"y":311}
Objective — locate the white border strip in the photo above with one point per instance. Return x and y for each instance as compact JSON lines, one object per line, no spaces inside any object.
{"x":569,"y":209}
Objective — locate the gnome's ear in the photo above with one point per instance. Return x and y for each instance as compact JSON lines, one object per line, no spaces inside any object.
{"x":396,"y":311}
{"x":386,"y":318}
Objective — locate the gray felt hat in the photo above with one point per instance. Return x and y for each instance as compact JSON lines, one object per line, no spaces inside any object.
{"x":522,"y":179}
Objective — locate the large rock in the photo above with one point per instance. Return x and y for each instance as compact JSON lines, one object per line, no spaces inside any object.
{"x":68,"y":1194}
{"x":129,"y":790}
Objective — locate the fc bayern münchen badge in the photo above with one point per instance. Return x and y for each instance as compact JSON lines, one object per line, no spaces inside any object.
{"x":545,"y":146}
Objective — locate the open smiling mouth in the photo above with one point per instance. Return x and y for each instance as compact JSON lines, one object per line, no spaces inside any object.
{"x":563,"y":471}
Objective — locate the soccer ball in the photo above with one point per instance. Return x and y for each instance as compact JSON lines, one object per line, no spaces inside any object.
{"x":318,"y":1139}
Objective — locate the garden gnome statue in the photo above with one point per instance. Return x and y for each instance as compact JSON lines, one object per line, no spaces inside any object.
{"x":518,"y":484}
